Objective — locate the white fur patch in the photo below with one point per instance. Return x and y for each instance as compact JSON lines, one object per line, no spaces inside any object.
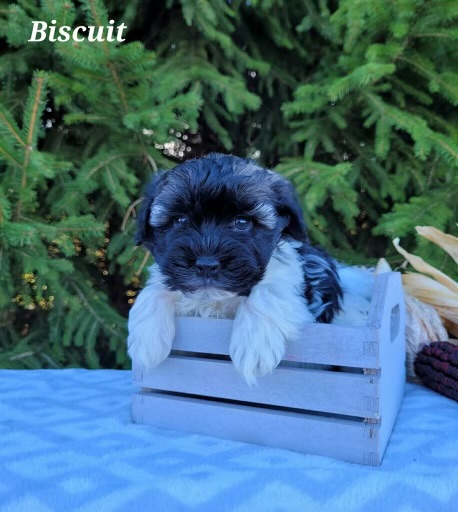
{"x":274,"y":312}
{"x":211,"y":303}
{"x":266,"y":214}
{"x":158,"y":215}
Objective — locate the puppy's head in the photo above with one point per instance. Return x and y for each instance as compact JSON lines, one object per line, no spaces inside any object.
{"x":215,"y":221}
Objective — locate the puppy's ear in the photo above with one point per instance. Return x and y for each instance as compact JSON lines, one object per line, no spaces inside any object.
{"x":289,"y":210}
{"x":144,"y":229}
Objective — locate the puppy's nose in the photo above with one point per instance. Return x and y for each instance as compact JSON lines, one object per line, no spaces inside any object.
{"x":207,"y":263}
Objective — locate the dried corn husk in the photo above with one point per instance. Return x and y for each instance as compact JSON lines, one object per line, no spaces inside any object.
{"x":423,"y":325}
{"x":425,"y":268}
{"x":452,"y":329}
{"x":430,"y":291}
{"x":439,"y":290}
{"x":447,"y":242}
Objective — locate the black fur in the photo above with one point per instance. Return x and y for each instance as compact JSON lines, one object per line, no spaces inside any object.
{"x":322,"y":289}
{"x":212,"y":192}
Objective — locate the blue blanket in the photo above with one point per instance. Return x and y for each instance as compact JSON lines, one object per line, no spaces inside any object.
{"x":68,"y":444}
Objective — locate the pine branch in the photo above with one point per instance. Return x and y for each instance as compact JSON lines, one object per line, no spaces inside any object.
{"x":92,"y":311}
{"x":9,"y":155}
{"x":7,"y":121}
{"x":94,"y":6}
{"x":424,"y":69}
{"x":30,"y":128}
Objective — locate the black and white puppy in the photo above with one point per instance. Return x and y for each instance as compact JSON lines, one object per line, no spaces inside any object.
{"x":229,"y":241}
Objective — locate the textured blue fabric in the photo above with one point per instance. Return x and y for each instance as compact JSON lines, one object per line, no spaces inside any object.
{"x":68,"y":444}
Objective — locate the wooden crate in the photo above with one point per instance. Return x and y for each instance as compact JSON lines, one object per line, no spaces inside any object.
{"x":346,"y":414}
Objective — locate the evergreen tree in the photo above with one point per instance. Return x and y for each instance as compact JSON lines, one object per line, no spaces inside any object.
{"x":377,"y":111}
{"x":354,"y":101}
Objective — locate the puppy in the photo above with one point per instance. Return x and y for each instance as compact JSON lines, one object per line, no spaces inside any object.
{"x":229,"y":241}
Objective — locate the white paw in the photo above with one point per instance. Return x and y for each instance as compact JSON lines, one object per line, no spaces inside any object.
{"x":151,"y":328}
{"x":148,"y":349}
{"x":257,"y":346}
{"x":251,"y":362}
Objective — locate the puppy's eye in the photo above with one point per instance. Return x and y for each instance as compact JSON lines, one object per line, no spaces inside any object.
{"x":180,"y":220}
{"x":241,"y":224}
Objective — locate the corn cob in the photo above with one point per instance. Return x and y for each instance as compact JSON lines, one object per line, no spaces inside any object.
{"x":437,"y":366}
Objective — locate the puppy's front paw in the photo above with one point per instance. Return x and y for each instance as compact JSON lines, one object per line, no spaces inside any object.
{"x":257,"y":345}
{"x":148,"y":349}
{"x":151,"y":329}
{"x":252,"y":362}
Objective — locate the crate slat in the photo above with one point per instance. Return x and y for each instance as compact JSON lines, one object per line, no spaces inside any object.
{"x":316,"y":390}
{"x":342,"y":345}
{"x":347,"y":440}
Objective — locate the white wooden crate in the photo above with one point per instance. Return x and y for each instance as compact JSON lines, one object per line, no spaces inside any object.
{"x":346,"y":414}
